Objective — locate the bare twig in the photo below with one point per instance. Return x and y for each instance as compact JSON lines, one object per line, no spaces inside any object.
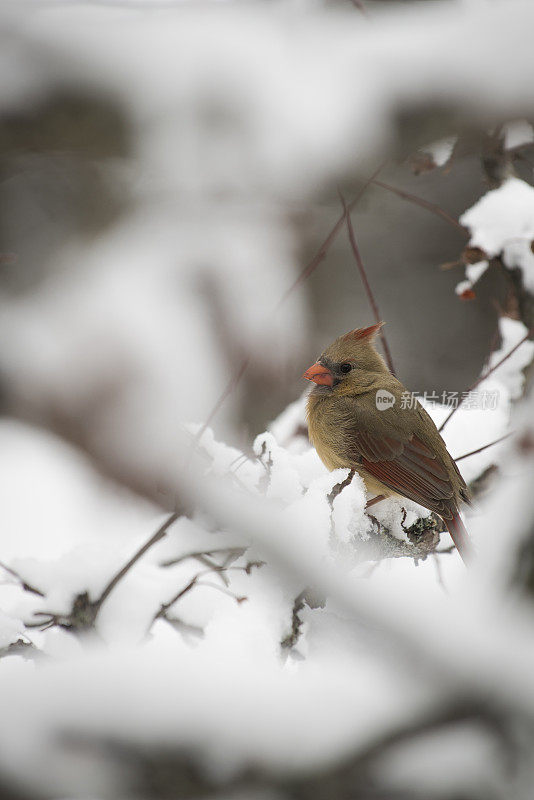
{"x":366,"y":284}
{"x":493,"y":346}
{"x":187,"y":588}
{"x":230,"y":551}
{"x":419,"y":201}
{"x":447,"y":550}
{"x":439,"y":571}
{"x":483,"y":378}
{"x":196,"y":581}
{"x":306,"y":272}
{"x":289,"y":641}
{"x":484,"y":447}
{"x":84,"y":611}
{"x":321,"y":253}
{"x":160,"y":534}
{"x":239,"y":598}
{"x":338,"y":488}
{"x":51,"y":620}
{"x":227,"y":391}
{"x":25,"y":585}
{"x":212,"y":565}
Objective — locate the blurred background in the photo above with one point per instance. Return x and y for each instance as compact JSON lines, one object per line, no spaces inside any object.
{"x":82,"y":155}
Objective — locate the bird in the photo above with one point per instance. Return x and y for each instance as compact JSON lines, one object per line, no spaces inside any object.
{"x":358,"y":418}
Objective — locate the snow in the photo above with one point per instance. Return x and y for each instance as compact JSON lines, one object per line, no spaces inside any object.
{"x":219,"y":162}
{"x":67,"y":559}
{"x":239,"y":649}
{"x":511,"y":373}
{"x":517,"y":133}
{"x":238,"y":115}
{"x":441,"y":150}
{"x":502,"y":222}
{"x":209,"y":708}
{"x":475,"y":271}
{"x":289,"y":422}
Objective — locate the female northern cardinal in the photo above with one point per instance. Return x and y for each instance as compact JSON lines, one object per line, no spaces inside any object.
{"x":357,"y":419}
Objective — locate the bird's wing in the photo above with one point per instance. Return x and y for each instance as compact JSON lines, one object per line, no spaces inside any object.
{"x":408,"y":467}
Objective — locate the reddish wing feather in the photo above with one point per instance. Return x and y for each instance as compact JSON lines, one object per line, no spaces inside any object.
{"x":409,"y":468}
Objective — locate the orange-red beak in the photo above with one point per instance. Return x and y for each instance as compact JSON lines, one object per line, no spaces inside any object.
{"x":319,"y":374}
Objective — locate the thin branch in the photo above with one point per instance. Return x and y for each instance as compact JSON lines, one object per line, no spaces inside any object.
{"x":419,"y":201}
{"x":25,"y":585}
{"x":366,"y":284}
{"x":232,"y":551}
{"x":207,"y":562}
{"x":187,"y":588}
{"x":323,"y":249}
{"x":227,"y":391}
{"x":483,"y":378}
{"x":439,"y":571}
{"x":306,"y":272}
{"x":195,"y":581}
{"x":160,"y":534}
{"x":239,"y":462}
{"x":484,"y":447}
{"x":338,"y":488}
{"x":493,"y":344}
{"x":84,"y":611}
{"x":289,"y":641}
{"x":239,"y":598}
{"x":51,"y":620}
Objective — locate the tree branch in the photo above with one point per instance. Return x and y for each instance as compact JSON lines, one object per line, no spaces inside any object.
{"x":338,"y":488}
{"x":366,"y":284}
{"x":306,"y":272}
{"x":419,"y":201}
{"x":483,"y":378}
{"x":158,"y":536}
{"x":25,"y":585}
{"x":289,"y":641}
{"x":484,"y":447}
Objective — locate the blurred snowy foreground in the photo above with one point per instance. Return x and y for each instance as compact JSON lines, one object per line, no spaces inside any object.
{"x":264,"y":640}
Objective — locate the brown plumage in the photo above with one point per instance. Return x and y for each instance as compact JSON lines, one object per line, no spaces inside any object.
{"x":396,"y":448}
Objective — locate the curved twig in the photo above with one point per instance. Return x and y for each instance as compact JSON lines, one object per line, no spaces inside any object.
{"x":483,"y":378}
{"x":484,"y":447}
{"x":419,"y":201}
{"x":366,"y":284}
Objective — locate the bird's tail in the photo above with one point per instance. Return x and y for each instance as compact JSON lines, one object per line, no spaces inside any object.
{"x":460,"y":537}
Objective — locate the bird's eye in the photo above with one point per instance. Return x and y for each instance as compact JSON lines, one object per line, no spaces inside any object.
{"x":346,"y":367}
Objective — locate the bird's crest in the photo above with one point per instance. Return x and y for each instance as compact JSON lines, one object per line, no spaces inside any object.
{"x":362,"y":333}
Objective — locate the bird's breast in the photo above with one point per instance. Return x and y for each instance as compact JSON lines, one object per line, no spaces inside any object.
{"x":328,"y":432}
